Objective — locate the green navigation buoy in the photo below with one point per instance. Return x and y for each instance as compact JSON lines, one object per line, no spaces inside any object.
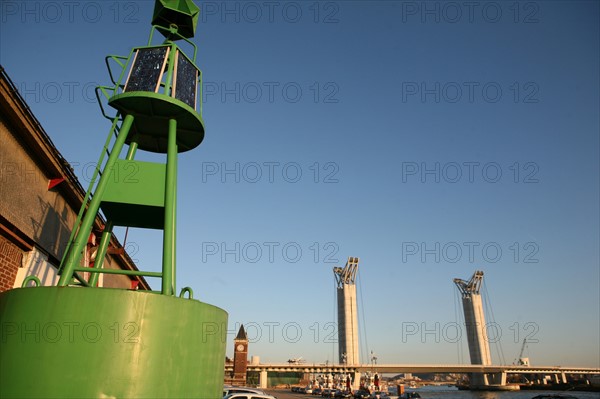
{"x":78,"y":341}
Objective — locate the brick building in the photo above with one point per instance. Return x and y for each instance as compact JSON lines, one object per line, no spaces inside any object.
{"x":40,"y":198}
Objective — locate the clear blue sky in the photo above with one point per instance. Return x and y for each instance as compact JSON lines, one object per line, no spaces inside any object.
{"x":422,"y":137}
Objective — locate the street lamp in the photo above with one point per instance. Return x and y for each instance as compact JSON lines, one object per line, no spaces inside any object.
{"x":373,"y":359}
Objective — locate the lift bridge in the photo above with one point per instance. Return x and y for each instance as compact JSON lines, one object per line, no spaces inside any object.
{"x":483,"y":374}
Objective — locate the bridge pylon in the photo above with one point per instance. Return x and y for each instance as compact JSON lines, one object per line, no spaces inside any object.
{"x":479,"y":348}
{"x":347,"y":312}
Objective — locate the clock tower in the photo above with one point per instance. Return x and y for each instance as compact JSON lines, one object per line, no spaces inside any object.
{"x":240,"y":357}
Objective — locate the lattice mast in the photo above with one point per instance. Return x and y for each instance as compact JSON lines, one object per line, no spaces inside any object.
{"x":347,"y":312}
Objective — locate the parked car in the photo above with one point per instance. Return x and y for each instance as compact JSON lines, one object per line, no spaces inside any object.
{"x":379,"y":395}
{"x":248,"y":395}
{"x":361,"y":394}
{"x":409,"y":395}
{"x":342,"y":394}
{"x":327,"y":393}
{"x":228,"y":389}
{"x":317,"y":391}
{"x":554,"y":396}
{"x":308,"y":390}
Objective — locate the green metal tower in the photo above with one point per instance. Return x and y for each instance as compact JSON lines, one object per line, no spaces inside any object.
{"x":79,"y":341}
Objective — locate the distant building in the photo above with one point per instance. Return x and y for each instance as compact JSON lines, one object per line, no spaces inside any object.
{"x":240,"y":359}
{"x":40,"y":198}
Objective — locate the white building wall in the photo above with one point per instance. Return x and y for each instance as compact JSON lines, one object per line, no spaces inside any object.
{"x":35,"y":263}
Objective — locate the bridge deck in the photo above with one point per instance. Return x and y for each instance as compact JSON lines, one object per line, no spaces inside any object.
{"x":417,"y":368}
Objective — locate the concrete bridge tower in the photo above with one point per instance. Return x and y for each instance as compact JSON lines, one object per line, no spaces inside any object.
{"x":479,"y":348}
{"x":347,"y":312}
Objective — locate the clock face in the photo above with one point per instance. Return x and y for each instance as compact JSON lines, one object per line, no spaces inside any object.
{"x":240,"y":348}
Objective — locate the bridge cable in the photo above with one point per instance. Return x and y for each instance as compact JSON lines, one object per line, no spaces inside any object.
{"x":336,"y":322}
{"x":364,"y":323}
{"x":458,"y":321}
{"x":497,"y":340}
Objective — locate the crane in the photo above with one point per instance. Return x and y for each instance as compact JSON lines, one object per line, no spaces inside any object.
{"x":522,"y":361}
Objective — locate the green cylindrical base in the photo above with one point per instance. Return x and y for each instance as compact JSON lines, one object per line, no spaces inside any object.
{"x":68,"y":342}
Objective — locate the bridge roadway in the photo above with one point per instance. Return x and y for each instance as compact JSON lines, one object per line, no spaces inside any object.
{"x":416,"y":368}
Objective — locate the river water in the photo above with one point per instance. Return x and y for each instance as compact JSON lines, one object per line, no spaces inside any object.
{"x":453,"y":393}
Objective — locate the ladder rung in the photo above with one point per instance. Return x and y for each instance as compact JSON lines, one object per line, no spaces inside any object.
{"x":118,"y":271}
